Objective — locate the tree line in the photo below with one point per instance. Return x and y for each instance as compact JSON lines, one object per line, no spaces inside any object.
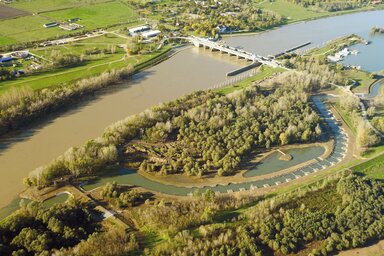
{"x":366,"y":136}
{"x":279,"y":226}
{"x":36,"y":230}
{"x":21,"y":106}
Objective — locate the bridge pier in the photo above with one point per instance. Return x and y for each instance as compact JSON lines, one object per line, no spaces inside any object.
{"x":231,"y":51}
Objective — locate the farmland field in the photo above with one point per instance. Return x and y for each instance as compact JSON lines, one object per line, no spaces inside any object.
{"x":7,"y":12}
{"x":38,"y":6}
{"x":290,"y":10}
{"x":30,"y":28}
{"x":96,"y":16}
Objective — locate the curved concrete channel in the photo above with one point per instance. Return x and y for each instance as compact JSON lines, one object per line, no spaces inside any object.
{"x":131,"y":177}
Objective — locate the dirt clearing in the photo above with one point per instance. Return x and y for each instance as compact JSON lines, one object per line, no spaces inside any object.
{"x":7,"y":12}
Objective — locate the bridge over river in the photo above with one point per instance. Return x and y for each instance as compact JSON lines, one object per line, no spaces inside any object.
{"x":226,"y":49}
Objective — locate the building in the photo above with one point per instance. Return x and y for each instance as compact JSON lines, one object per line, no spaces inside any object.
{"x":6,"y":59}
{"x":20,"y":54}
{"x":137,"y":30}
{"x":222,"y":28}
{"x":73,"y":20}
{"x":51,"y":25}
{"x":70,"y":26}
{"x":151,"y":33}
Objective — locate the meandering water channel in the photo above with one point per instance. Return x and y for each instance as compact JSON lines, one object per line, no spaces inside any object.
{"x":187,"y":71}
{"x":267,"y":166}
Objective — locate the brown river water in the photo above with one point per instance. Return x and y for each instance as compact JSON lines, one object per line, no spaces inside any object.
{"x":189,"y":70}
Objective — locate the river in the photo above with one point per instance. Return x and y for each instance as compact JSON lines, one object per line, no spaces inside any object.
{"x":185,"y":72}
{"x":189,"y":70}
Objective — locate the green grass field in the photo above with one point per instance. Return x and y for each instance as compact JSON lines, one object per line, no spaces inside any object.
{"x":96,"y":16}
{"x":30,"y":28}
{"x":373,"y":168}
{"x":6,"y":40}
{"x":27,"y":28}
{"x":38,"y":6}
{"x":291,"y":11}
{"x":94,"y":67}
{"x":362,"y":77}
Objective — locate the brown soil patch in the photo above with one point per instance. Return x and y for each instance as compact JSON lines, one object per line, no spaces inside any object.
{"x":7,"y":12}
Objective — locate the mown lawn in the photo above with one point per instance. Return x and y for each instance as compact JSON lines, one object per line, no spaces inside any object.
{"x":27,"y":28}
{"x":96,"y":16}
{"x":30,"y":28}
{"x":80,"y":47}
{"x":6,"y":40}
{"x":373,"y":151}
{"x":291,"y":11}
{"x":362,"y":77}
{"x":373,"y":168}
{"x":37,"y":6}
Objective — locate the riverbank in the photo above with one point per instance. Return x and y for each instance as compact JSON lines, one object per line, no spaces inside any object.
{"x":66,"y":95}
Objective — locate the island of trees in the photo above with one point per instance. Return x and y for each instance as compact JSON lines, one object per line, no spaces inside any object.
{"x":204,"y":132}
{"x":216,"y":136}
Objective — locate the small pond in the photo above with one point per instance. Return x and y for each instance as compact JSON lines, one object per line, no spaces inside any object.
{"x":272,"y":163}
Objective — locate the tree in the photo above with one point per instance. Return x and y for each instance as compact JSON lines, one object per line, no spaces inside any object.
{"x":371,"y":111}
{"x":32,"y":240}
{"x":283,"y":138}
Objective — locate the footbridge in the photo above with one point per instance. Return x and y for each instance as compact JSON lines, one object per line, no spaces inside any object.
{"x":226,"y":49}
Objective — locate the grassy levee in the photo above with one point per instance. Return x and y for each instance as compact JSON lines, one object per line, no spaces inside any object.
{"x":87,"y":86}
{"x":346,"y":118}
{"x":363,"y":78}
{"x":148,"y":62}
{"x":63,"y":76}
{"x":373,"y":168}
{"x":262,"y":74}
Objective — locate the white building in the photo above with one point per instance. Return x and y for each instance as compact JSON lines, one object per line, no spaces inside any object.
{"x":151,"y":33}
{"x":137,"y":30}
